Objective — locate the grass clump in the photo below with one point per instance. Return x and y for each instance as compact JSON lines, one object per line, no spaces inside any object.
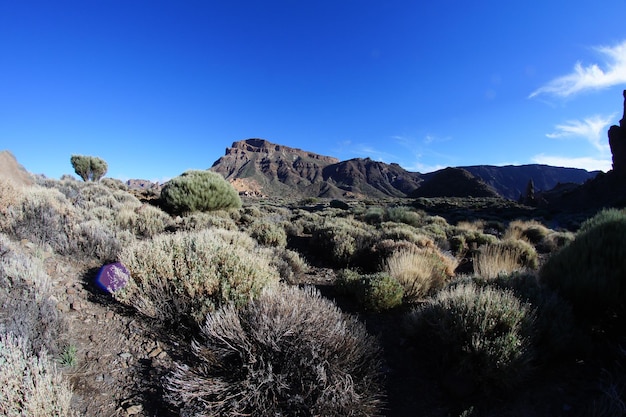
{"x":197,"y":190}
{"x":491,"y":261}
{"x":183,"y":276}
{"x":589,"y":272}
{"x":420,"y":272}
{"x":481,"y":335}
{"x":288,"y":353}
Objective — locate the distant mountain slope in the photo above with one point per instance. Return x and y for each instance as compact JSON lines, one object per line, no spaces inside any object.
{"x":454,"y":182}
{"x":11,"y":170}
{"x":510,"y":181}
{"x":259,"y":167}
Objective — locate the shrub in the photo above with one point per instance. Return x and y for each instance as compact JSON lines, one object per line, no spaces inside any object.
{"x":420,"y":272}
{"x":179,"y":278}
{"x":268,"y":233}
{"x":25,"y":292}
{"x":30,"y":385}
{"x":199,"y":191}
{"x":43,"y":216}
{"x":341,"y":240}
{"x":482,"y":334}
{"x":199,"y":220}
{"x":375,"y":292}
{"x":289,"y":264}
{"x":288,"y":353}
{"x":89,"y":168}
{"x":526,"y":253}
{"x":590,"y":271}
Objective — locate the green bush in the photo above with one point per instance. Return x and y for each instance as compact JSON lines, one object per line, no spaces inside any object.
{"x":482,"y":335}
{"x":89,"y":168}
{"x":268,"y":233}
{"x":179,"y":278}
{"x":375,"y":292}
{"x":340,"y":241}
{"x":589,"y":272}
{"x":289,"y":353}
{"x":199,"y":191}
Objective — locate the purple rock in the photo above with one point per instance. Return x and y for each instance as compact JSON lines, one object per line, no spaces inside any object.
{"x":113,"y":277}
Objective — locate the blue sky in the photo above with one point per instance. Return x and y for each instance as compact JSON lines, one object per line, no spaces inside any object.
{"x":159,"y":87}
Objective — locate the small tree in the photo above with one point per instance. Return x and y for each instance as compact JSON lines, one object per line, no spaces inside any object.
{"x":197,"y":190}
{"x":89,"y":168}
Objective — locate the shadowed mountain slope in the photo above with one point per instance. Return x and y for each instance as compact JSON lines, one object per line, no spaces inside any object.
{"x":454,"y":182}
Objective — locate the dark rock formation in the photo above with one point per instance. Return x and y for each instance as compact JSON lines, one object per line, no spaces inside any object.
{"x":455,"y":182}
{"x":617,"y":141}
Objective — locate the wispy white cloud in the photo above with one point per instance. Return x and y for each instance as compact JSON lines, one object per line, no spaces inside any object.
{"x":592,"y":129}
{"x":588,"y":163}
{"x":591,"y":77}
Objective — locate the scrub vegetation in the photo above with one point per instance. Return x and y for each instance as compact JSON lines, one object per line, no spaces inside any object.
{"x":307,"y":308}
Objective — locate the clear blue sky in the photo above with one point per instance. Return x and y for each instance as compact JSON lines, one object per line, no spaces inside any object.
{"x":159,"y":87}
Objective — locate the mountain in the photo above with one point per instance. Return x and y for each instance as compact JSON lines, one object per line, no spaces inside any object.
{"x":259,"y":167}
{"x":454,"y":182}
{"x":510,"y":181}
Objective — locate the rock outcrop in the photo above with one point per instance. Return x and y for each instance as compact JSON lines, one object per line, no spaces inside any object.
{"x":12,"y":171}
{"x":617,"y":142}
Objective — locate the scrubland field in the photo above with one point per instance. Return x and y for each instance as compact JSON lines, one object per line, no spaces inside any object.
{"x":403,"y":307}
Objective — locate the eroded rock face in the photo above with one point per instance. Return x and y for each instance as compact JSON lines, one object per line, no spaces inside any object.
{"x":617,"y":142}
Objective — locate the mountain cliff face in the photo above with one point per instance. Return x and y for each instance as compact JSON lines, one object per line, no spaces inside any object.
{"x":259,"y":167}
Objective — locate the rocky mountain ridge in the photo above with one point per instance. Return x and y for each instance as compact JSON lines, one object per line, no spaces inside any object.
{"x":260,"y":167}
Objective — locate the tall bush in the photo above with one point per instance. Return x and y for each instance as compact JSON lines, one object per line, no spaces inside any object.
{"x":589,"y":272}
{"x":89,"y":168}
{"x":289,"y":353}
{"x":197,"y":190}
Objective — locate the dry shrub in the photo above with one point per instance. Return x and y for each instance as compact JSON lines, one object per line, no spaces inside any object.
{"x":180,"y":277}
{"x":342,"y":240}
{"x":493,"y":260}
{"x":218,"y":219}
{"x":421,"y":272}
{"x":44,"y":217}
{"x":471,"y":226}
{"x":289,"y":264}
{"x":288,"y":353}
{"x":25,"y":292}
{"x":484,"y":335}
{"x":30,"y":385}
